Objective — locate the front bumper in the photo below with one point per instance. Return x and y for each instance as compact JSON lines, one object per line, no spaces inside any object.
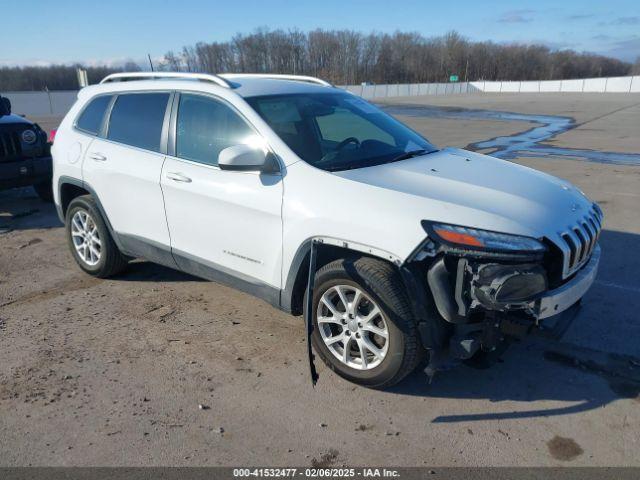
{"x":24,"y":172}
{"x":467,"y":286}
{"x":557,"y":301}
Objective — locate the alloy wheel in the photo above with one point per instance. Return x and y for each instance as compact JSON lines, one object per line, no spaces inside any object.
{"x":86,"y":239}
{"x":353,"y":327}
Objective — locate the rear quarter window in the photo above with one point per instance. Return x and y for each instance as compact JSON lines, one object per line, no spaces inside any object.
{"x":90,"y":120}
{"x":137,"y":118}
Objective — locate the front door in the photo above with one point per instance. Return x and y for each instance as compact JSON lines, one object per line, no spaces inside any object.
{"x":224,"y":225}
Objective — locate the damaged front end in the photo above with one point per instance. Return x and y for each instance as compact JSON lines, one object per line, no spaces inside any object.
{"x":488,"y":287}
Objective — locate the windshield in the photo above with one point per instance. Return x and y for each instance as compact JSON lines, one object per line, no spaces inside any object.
{"x":338,"y":131}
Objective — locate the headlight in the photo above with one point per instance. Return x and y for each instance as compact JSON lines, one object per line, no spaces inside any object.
{"x":475,"y":239}
{"x":29,"y":137}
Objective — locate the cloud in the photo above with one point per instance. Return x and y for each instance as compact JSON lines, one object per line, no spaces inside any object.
{"x":516,"y":16}
{"x":626,"y":21}
{"x":627,"y":50}
{"x":31,"y":62}
{"x":621,"y":21}
{"x":580,"y":16}
{"x":116,"y":62}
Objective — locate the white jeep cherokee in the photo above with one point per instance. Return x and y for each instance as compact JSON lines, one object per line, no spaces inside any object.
{"x":253,"y":180}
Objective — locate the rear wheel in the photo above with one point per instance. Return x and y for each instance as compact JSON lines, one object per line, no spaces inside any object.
{"x":364,"y":328}
{"x":90,"y":241}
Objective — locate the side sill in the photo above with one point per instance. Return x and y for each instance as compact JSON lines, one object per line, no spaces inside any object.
{"x":211,"y":271}
{"x":134,"y":246}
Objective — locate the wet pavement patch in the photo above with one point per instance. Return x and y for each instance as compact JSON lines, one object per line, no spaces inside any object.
{"x":565,"y":449}
{"x":524,"y":144}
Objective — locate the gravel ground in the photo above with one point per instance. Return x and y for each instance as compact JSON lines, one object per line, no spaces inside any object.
{"x":155,"y":367}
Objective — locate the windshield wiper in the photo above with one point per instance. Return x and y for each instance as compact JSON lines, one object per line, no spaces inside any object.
{"x":365,"y":163}
{"x":410,"y":154}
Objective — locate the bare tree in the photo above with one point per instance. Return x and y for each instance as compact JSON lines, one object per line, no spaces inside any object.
{"x":349,"y":57}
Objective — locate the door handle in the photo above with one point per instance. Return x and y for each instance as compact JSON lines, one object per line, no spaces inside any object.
{"x":178,"y":177}
{"x":98,"y":157}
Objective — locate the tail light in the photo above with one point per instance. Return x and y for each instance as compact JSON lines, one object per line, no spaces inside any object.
{"x":52,"y":135}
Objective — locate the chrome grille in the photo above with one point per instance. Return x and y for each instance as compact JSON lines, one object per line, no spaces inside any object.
{"x":579,"y":240}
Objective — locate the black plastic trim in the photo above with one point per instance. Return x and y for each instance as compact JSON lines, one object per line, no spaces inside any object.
{"x":102,"y":133}
{"x":80,"y":183}
{"x":217,"y":273}
{"x":149,"y":250}
{"x":286,"y":294}
{"x":433,"y":331}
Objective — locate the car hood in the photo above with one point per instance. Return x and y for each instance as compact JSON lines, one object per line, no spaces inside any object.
{"x":13,"y":119}
{"x":471,"y":189}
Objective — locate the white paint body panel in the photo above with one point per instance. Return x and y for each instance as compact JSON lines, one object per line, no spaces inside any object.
{"x":227,"y":218}
{"x":128,"y":185}
{"x":68,"y":151}
{"x":388,"y":202}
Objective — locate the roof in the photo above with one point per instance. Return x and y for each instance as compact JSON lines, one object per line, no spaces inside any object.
{"x":254,"y":87}
{"x":245,"y":85}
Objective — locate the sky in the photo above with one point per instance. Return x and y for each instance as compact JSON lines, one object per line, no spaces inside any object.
{"x":112,"y":32}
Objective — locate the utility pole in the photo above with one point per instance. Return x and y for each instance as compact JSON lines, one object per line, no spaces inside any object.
{"x":150,"y":62}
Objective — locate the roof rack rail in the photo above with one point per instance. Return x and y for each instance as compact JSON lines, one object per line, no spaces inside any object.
{"x":276,"y":76}
{"x":128,"y":76}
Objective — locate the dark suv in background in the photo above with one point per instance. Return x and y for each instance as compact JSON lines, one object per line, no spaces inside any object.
{"x":25,"y":157}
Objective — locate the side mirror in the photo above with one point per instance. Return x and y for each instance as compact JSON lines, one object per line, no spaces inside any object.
{"x":243,"y":158}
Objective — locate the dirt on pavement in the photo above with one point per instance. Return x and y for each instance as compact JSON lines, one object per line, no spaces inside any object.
{"x":155,"y":367}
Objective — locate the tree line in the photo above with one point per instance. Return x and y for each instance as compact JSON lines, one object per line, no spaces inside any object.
{"x":351,"y":57}
{"x":53,"y":77}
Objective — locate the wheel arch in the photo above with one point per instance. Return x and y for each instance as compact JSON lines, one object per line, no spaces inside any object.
{"x":70,"y":188}
{"x":328,"y":250}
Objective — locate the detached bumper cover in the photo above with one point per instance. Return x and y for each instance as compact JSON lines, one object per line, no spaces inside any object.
{"x":557,"y":301}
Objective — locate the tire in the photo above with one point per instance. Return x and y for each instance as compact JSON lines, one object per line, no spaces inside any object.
{"x":44,"y":191}
{"x":109,"y":260}
{"x":380,"y":285}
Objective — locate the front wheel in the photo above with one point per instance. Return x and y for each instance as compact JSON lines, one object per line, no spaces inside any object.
{"x":363,"y":325}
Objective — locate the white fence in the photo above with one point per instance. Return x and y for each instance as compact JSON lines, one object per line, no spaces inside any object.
{"x":41,"y":103}
{"x":583,"y":85}
{"x":586,"y":85}
{"x":59,"y":102}
{"x":409,"y":89}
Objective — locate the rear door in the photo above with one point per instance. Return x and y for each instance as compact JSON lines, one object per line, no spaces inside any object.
{"x":225,"y":225}
{"x":123,"y":166}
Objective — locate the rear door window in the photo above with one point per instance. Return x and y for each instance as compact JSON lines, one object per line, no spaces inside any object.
{"x":90,"y":119}
{"x":137,"y":118}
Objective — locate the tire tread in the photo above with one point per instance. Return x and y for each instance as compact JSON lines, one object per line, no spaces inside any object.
{"x":114,"y":262}
{"x":385,"y":281}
